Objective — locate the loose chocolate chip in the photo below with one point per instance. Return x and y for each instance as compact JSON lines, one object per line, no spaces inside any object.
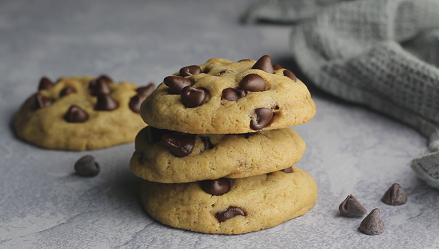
{"x":135,"y":103}
{"x":155,"y":135}
{"x":372,"y":224}
{"x":288,"y":170}
{"x":233,"y":94}
{"x":395,"y":195}
{"x":106,"y":103}
{"x":290,"y":75}
{"x":45,"y":83}
{"x":76,"y":115}
{"x":351,"y":207}
{"x":216,"y":187}
{"x":180,"y":145}
{"x":190,"y":70}
{"x":252,"y":83}
{"x":264,"y":63}
{"x":100,"y":88}
{"x":207,"y":143}
{"x":86,"y":166}
{"x":192,"y":97}
{"x":146,"y":90}
{"x":277,"y":67}
{"x":42,"y":101}
{"x":262,"y":118}
{"x":176,"y":84}
{"x":66,"y":91}
{"x":229,"y":213}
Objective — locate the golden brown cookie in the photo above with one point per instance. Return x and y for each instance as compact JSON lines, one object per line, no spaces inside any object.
{"x":173,"y":157}
{"x":222,"y":97}
{"x":231,"y":206}
{"x":81,"y":113}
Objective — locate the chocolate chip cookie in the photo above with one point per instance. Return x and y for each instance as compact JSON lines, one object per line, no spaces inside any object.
{"x":173,"y":157}
{"x":231,"y":206}
{"x":222,"y":97}
{"x":81,"y":113}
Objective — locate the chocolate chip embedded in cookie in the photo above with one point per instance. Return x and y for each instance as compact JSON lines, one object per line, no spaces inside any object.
{"x":231,"y":206}
{"x":222,"y":97}
{"x":81,"y":113}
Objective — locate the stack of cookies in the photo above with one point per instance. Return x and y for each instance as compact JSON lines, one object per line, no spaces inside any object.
{"x":218,"y":156}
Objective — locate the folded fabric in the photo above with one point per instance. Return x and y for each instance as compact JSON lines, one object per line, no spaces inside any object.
{"x":380,"y":53}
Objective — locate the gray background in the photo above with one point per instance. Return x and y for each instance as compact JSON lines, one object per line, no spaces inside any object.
{"x":351,"y":150}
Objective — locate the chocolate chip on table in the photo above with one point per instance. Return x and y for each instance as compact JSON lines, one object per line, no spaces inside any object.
{"x":106,"y":103}
{"x":45,"y":84}
{"x":264,"y":63}
{"x":145,"y":91}
{"x":277,"y":67}
{"x":288,"y":170}
{"x":192,"y":97}
{"x":372,"y":224}
{"x":42,"y":101}
{"x":233,"y":94}
{"x":290,"y":75}
{"x":135,"y":103}
{"x":262,"y":118}
{"x":351,"y":207}
{"x":190,"y":70}
{"x":216,"y":187}
{"x":86,"y":166}
{"x":229,"y":213}
{"x":66,"y":91}
{"x":76,"y":114}
{"x":100,"y":87}
{"x":178,"y":144}
{"x":155,"y":135}
{"x":176,"y":84}
{"x":395,"y":195}
{"x":253,"y":83}
{"x":207,"y":143}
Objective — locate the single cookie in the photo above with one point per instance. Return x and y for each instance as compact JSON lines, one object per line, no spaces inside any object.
{"x":173,"y":157}
{"x":222,"y":97}
{"x":81,"y":113}
{"x":231,"y":206}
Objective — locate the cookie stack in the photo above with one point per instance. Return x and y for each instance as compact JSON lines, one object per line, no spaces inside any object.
{"x":218,"y":156}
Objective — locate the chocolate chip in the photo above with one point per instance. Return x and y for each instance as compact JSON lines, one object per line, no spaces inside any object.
{"x":45,"y":84}
{"x":277,"y":67}
{"x":264,"y":63}
{"x":66,"y":91}
{"x":42,"y":101}
{"x":395,"y":195}
{"x":372,"y":224}
{"x":233,"y":94}
{"x":351,"y":207}
{"x":180,"y":145}
{"x":229,"y":213}
{"x":216,"y":187}
{"x":86,"y":166}
{"x":135,"y":103}
{"x":106,"y":103}
{"x":145,"y":91}
{"x":76,"y":115}
{"x":192,"y":97}
{"x":176,"y":84}
{"x":262,"y":118}
{"x":290,"y":75}
{"x":155,"y":135}
{"x":207,"y":143}
{"x":100,"y":87}
{"x":104,"y":78}
{"x":288,"y":170}
{"x":190,"y":70}
{"x":252,"y":83}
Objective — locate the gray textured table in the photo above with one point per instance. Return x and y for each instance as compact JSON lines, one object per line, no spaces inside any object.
{"x":43,"y":204}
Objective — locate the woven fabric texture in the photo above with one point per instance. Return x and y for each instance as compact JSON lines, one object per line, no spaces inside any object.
{"x":380,"y":53}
